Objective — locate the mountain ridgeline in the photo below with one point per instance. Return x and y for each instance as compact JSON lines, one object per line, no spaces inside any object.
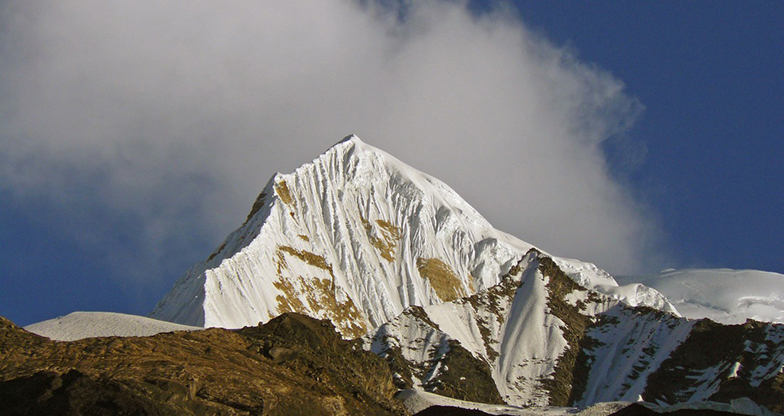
{"x":424,"y":294}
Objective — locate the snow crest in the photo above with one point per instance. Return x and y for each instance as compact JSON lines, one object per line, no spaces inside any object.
{"x":355,"y":236}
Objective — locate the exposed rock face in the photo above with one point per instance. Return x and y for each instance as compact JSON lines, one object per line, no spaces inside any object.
{"x":722,"y":363}
{"x":313,"y":348}
{"x":640,"y":410}
{"x":294,"y":365}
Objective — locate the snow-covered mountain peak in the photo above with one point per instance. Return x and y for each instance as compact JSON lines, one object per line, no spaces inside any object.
{"x":350,"y":138}
{"x":356,"y":236}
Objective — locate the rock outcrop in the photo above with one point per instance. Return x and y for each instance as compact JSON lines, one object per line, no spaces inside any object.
{"x":293,"y":365}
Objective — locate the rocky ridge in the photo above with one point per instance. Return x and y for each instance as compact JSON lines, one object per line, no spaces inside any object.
{"x":292,"y":365}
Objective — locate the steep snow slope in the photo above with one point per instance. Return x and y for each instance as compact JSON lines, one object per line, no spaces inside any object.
{"x":355,"y":236}
{"x":624,"y":347}
{"x":80,"y":325}
{"x":723,"y":295}
{"x":521,"y":328}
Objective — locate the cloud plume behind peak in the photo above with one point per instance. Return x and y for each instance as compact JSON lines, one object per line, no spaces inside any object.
{"x":168,"y":118}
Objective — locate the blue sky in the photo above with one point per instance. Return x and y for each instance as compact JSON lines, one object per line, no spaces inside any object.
{"x":709,"y":75}
{"x":86,"y":225}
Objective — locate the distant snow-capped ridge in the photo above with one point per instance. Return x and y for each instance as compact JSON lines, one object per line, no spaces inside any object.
{"x":80,"y":325}
{"x":723,"y":295}
{"x":356,"y":236}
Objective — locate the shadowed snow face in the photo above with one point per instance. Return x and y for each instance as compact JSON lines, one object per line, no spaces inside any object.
{"x":165,"y":120}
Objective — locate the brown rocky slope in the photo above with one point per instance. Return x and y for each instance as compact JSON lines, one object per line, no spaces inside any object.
{"x":293,"y":365}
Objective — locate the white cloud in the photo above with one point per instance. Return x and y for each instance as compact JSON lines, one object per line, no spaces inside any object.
{"x":175,"y":114}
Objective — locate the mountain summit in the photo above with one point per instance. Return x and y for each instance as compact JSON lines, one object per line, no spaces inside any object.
{"x":356,"y":236}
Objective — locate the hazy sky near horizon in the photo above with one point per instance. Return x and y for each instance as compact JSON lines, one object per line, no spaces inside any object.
{"x":135,"y":136}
